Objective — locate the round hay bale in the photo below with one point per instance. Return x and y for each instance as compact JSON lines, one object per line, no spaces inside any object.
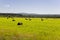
{"x":26,"y":19}
{"x":42,"y":19}
{"x":19,"y":23}
{"x":13,"y":20}
{"x":29,"y":19}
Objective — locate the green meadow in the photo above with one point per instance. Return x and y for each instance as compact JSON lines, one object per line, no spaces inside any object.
{"x":34,"y":29}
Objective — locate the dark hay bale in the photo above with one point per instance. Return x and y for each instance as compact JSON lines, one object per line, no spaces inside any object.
{"x":42,"y":19}
{"x":13,"y":20}
{"x":26,"y":19}
{"x":19,"y":23}
{"x":7,"y":17}
{"x":29,"y":19}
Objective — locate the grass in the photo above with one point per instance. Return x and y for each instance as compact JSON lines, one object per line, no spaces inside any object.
{"x":34,"y":29}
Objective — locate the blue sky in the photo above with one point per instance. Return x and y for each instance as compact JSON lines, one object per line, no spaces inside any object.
{"x":30,"y":6}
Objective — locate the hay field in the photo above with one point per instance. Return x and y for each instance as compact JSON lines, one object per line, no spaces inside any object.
{"x":34,"y":29}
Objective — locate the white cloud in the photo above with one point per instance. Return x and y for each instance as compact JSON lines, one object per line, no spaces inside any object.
{"x":7,"y":5}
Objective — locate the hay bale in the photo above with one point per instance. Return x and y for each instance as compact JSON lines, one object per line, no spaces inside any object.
{"x":19,"y":23}
{"x":42,"y":19}
{"x":29,"y":19}
{"x":26,"y":19}
{"x":13,"y":20}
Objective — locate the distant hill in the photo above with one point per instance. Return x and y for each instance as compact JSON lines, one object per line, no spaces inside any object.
{"x":29,"y":15}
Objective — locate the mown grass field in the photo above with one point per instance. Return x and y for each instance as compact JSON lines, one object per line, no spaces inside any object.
{"x":34,"y":29}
